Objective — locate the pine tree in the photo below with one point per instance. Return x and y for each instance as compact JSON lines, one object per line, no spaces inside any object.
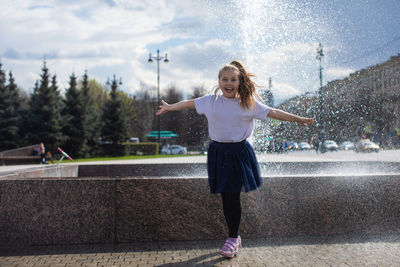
{"x":91,"y":119}
{"x":56,"y":137}
{"x":44,"y":117}
{"x":73,"y":115}
{"x":16,"y":103}
{"x":9,"y":112}
{"x":115,"y":127}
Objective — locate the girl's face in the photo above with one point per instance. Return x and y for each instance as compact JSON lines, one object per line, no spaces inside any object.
{"x":229,"y":83}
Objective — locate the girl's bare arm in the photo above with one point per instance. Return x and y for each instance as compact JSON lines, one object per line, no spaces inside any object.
{"x":285,"y":116}
{"x":165,"y":107}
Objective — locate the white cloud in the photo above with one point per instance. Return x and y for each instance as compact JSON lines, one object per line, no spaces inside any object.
{"x":192,"y":64}
{"x":75,"y":36}
{"x":337,"y":73}
{"x":106,"y":37}
{"x":109,"y":40}
{"x":283,"y":91}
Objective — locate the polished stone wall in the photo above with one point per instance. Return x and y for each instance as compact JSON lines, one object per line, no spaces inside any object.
{"x":42,"y":171}
{"x":266,"y":168}
{"x":56,"y":211}
{"x":99,"y":209}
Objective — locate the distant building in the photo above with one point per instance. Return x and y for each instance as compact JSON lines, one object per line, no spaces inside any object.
{"x":367,"y":99}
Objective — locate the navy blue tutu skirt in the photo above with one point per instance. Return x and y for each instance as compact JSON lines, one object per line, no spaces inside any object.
{"x":232,"y":167}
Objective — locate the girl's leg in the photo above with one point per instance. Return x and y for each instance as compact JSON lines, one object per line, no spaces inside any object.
{"x":232,"y":212}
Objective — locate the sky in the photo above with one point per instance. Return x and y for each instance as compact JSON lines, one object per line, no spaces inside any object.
{"x":275,"y":39}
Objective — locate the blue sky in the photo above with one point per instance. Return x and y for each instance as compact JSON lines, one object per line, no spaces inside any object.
{"x":274,"y":38}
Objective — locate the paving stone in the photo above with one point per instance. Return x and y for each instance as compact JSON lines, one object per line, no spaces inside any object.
{"x":296,"y":252}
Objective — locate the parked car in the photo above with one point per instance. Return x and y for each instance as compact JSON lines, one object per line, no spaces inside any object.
{"x":366,"y":145}
{"x":304,"y":146}
{"x":103,"y":141}
{"x":346,"y":145}
{"x":173,"y":150}
{"x":133,"y":140}
{"x":329,"y":145}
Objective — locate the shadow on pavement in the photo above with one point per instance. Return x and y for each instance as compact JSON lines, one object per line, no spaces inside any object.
{"x":200,"y":260}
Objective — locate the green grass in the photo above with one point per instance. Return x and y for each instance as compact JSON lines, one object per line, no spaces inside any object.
{"x":126,"y":158}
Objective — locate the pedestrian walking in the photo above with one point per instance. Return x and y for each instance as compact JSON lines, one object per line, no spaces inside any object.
{"x":316,"y":146}
{"x":42,"y":153}
{"x":231,"y":162}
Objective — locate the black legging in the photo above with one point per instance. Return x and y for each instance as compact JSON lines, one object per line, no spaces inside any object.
{"x":232,"y":212}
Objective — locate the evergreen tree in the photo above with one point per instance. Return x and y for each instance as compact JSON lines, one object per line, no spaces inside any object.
{"x":44,"y":117}
{"x":16,"y":103}
{"x":9,"y":112}
{"x":27,"y":129}
{"x":91,"y":119}
{"x":55,"y":136}
{"x":74,"y":121}
{"x":115,"y":127}
{"x":22,"y":105}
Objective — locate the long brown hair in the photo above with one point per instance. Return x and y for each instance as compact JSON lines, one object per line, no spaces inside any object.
{"x":247,"y":88}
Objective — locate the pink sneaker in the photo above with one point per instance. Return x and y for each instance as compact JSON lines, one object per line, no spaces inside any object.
{"x":231,"y":247}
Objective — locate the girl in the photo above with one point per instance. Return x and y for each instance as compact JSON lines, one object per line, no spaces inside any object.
{"x":231,"y":162}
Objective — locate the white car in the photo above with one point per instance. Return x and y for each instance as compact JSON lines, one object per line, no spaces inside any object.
{"x":173,"y":150}
{"x":330,"y":145}
{"x":133,"y":140}
{"x":366,"y":145}
{"x":304,"y":146}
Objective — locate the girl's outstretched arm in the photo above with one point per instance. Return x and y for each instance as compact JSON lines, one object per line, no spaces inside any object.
{"x":165,"y":107}
{"x":285,"y":116}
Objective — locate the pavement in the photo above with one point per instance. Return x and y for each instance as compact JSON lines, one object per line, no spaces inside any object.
{"x":260,"y":252}
{"x":296,"y":251}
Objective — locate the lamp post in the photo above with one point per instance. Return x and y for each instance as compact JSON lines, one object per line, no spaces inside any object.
{"x":320,"y":54}
{"x":150,"y":60}
{"x":114,"y":81}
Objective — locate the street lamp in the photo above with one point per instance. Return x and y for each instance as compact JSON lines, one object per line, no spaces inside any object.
{"x":320,"y":54}
{"x":114,"y":81}
{"x":150,"y":60}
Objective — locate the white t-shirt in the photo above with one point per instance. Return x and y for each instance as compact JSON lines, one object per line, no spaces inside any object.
{"x":228,"y":122}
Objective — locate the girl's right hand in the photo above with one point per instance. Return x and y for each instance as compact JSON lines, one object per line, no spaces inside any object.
{"x":305,"y":121}
{"x":162,"y":108}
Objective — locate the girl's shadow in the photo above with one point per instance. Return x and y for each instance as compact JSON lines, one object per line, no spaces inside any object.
{"x":201,"y":260}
